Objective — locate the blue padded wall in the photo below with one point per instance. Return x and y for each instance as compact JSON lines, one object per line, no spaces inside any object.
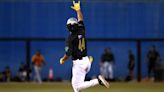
{"x":102,"y":20}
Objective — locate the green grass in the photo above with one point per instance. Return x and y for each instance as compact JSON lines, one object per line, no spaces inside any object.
{"x":66,"y":87}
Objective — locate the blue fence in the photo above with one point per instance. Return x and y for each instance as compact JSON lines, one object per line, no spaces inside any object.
{"x":102,"y":20}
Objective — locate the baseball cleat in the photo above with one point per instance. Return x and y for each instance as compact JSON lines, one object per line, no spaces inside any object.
{"x":102,"y":81}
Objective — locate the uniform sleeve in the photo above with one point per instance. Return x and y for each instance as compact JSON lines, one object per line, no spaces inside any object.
{"x":81,"y":25}
{"x":33,"y":58}
{"x":68,"y":47}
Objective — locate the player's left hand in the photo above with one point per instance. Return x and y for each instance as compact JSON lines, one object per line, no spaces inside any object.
{"x":61,"y":61}
{"x":76,"y":6}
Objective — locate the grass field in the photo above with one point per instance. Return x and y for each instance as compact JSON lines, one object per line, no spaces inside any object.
{"x":66,"y":87}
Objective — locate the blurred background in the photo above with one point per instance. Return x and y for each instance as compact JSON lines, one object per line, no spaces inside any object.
{"x":27,"y":26}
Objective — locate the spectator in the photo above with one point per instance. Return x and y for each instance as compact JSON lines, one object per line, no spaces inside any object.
{"x":1,"y":77}
{"x":22,"y":72}
{"x":152,"y":57}
{"x":38,"y":61}
{"x":7,"y":74}
{"x":107,"y":61}
{"x":131,"y":64}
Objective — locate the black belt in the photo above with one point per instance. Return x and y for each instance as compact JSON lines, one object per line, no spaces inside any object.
{"x":77,"y":58}
{"x":80,"y":58}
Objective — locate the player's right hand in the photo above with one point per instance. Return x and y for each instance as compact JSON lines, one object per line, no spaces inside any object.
{"x":91,"y":59}
{"x":76,"y":6}
{"x":61,"y":61}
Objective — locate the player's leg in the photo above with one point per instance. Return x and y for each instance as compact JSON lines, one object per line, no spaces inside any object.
{"x":110,"y":70}
{"x":106,"y":74}
{"x":80,"y":69}
{"x":37,"y":74}
{"x":88,"y":84}
{"x":131,"y":74}
{"x":76,"y":77}
{"x":103,"y":70}
{"x":149,"y":70}
{"x":93,"y":82}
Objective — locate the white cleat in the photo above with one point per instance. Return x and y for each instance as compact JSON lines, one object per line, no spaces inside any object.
{"x":103,"y":81}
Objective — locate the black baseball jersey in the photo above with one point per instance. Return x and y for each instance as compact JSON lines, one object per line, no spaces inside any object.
{"x":76,"y":43}
{"x":153,"y":56}
{"x":107,"y":57}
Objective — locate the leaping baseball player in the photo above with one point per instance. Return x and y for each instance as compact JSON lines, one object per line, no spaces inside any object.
{"x":76,"y":47}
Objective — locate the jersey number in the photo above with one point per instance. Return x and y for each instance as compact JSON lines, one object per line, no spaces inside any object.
{"x":81,"y":46}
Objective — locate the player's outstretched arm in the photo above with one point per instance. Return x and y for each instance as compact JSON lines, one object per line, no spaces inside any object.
{"x":76,"y":7}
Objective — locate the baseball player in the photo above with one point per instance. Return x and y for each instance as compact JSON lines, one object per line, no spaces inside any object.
{"x":38,"y":61}
{"x":76,"y":47}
